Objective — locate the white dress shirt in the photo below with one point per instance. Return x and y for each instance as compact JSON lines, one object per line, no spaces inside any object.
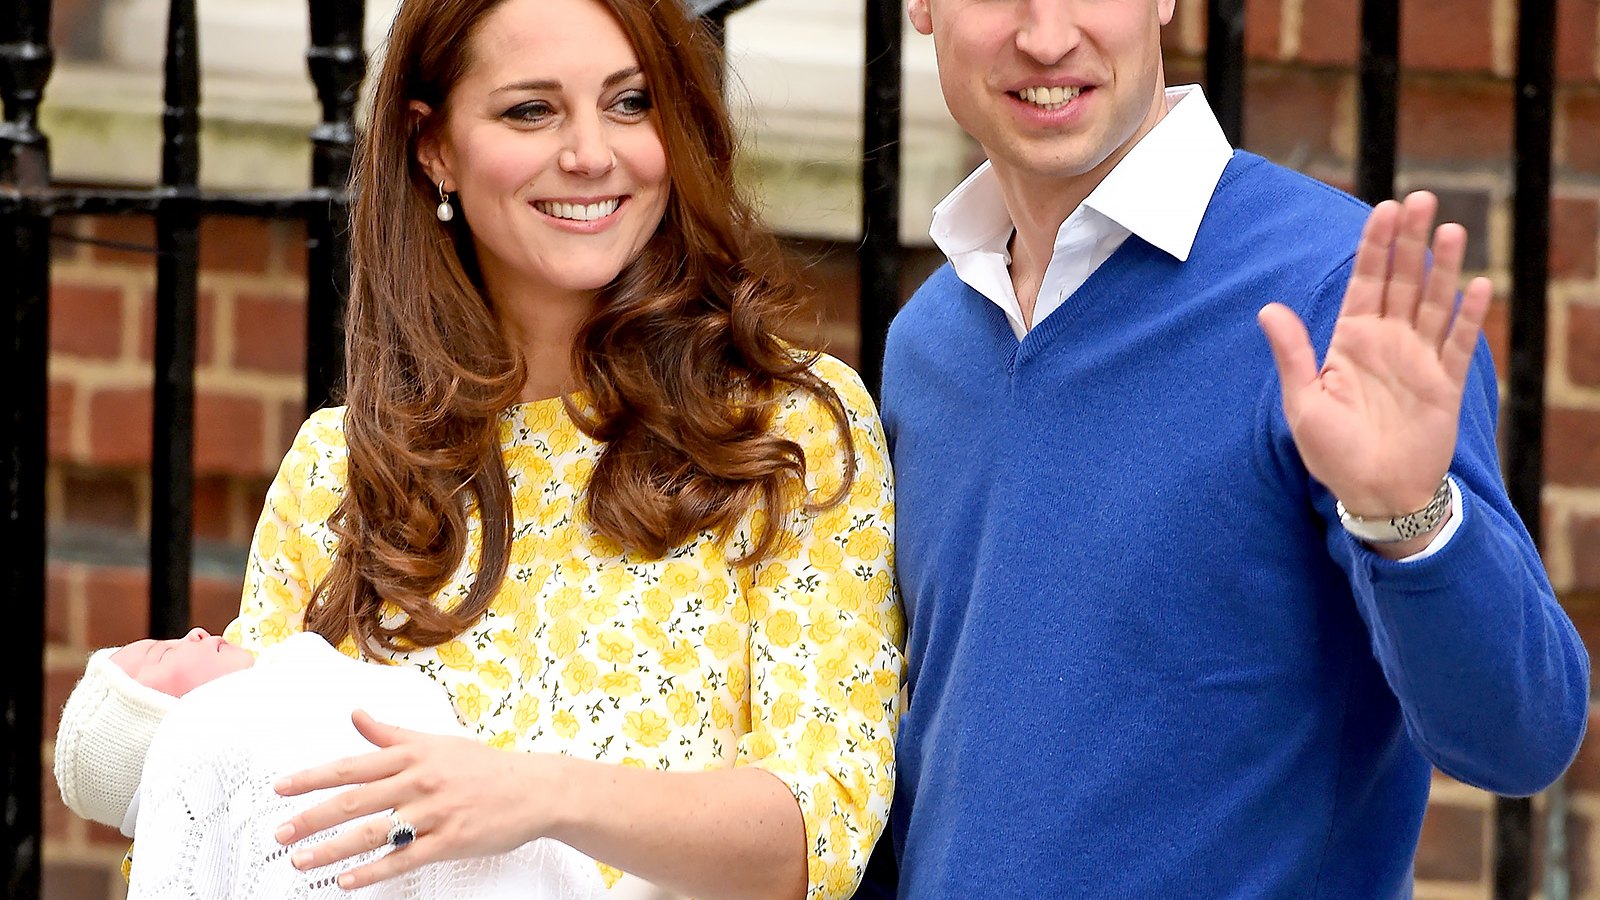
{"x":1159,"y":191}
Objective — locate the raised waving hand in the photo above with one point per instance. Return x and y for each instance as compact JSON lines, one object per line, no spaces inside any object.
{"x":1377,"y":422}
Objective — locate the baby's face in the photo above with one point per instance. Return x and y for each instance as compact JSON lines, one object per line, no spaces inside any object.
{"x":177,"y":666}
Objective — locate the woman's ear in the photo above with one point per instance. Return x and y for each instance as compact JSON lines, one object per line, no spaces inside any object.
{"x":429,"y":154}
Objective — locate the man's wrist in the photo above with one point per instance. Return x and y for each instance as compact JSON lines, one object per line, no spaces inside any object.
{"x":1401,"y":528}
{"x":1405,"y":532}
{"x":1424,"y":545}
{"x":1399,"y":550}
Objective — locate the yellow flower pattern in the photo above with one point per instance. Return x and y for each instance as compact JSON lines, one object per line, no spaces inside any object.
{"x":683,"y":663}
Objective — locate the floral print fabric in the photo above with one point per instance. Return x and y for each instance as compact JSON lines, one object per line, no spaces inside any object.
{"x":684,"y":662}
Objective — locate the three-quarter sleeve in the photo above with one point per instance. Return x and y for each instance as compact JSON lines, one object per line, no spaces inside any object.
{"x":291,"y":549}
{"x":826,"y":659}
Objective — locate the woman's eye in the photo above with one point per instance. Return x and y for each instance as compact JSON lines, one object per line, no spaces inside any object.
{"x":531,"y":111}
{"x":632,"y":103}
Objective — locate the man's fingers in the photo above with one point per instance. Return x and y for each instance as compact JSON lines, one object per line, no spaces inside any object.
{"x":1291,"y":350}
{"x":1364,"y":296}
{"x":1438,"y":304}
{"x":1404,"y":287}
{"x":1456,"y":354}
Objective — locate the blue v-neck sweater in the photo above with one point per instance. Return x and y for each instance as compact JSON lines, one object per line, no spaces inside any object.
{"x":1145,"y":660}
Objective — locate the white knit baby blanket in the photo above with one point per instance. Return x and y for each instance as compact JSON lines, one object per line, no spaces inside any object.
{"x":207,"y":810}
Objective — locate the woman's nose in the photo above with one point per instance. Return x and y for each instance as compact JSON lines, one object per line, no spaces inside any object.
{"x":587,"y":153}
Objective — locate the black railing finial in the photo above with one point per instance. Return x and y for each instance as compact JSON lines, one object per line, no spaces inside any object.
{"x":25,"y":64}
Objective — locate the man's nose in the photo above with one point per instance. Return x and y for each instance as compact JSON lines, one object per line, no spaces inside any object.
{"x":1048,"y":30}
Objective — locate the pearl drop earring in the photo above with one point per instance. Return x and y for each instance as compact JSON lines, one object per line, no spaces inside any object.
{"x":445,"y":211}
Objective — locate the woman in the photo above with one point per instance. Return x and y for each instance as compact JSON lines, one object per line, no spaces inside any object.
{"x":582,"y":484}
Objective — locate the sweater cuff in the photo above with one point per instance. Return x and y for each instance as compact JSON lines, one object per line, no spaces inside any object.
{"x":1456,"y":552}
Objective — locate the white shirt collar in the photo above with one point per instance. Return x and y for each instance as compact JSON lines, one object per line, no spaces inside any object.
{"x":1159,"y":191}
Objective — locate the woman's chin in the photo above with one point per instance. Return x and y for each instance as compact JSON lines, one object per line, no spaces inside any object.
{"x":577,"y":281}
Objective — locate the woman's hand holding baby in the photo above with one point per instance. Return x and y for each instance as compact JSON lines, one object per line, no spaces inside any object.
{"x":716,"y":834}
{"x":452,"y":790}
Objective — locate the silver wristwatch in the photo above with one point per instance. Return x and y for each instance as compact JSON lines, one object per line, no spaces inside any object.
{"x":1399,"y":528}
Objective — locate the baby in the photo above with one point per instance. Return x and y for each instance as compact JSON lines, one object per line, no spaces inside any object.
{"x":178,"y":743}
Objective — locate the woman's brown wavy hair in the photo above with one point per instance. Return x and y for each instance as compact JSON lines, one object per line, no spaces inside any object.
{"x":680,"y":362}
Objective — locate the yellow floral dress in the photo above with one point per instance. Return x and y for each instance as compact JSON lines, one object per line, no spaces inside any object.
{"x":685,"y":662}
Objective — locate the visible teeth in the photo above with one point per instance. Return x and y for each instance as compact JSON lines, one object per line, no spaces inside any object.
{"x":1049,"y":97}
{"x":578,"y":212}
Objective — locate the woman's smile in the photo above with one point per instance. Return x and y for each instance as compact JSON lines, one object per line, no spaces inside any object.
{"x":581,"y":216}
{"x":578,"y":210}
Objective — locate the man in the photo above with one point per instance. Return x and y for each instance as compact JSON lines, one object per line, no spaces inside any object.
{"x":1183,"y":622}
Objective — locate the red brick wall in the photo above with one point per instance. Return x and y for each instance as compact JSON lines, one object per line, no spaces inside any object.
{"x":1455,"y":138}
{"x":248,"y":405}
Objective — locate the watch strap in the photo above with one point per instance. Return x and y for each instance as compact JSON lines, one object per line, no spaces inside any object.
{"x":1394,"y":529}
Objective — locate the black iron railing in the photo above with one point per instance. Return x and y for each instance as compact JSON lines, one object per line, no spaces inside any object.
{"x":176,"y":329}
{"x":29,"y":201}
{"x":25,"y":63}
{"x":878,"y":254}
{"x":1378,"y":99}
{"x":1225,"y":65}
{"x":1523,"y":425}
{"x":24,"y":346}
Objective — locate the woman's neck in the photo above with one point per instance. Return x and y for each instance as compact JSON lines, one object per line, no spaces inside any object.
{"x":543,"y":325}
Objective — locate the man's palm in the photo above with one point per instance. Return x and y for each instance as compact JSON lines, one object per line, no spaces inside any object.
{"x":1377,"y":422}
